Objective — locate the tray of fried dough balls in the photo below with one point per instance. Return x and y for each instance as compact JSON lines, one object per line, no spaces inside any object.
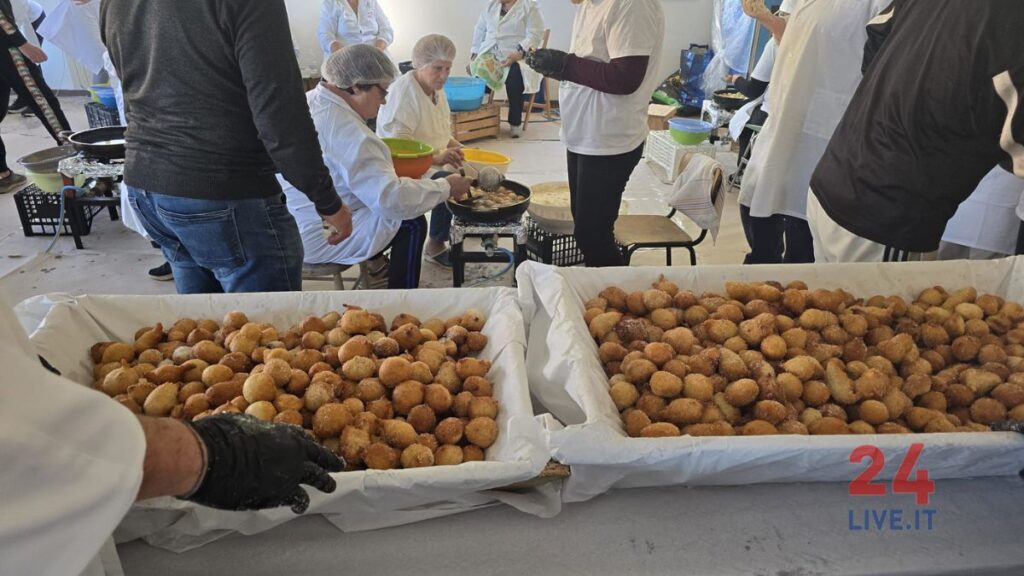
{"x":733,"y":375}
{"x":422,"y":393}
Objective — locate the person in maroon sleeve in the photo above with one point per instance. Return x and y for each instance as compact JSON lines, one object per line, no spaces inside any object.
{"x":606,"y":84}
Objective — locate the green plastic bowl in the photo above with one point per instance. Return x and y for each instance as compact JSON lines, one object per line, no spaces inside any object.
{"x":412,"y":158}
{"x":688,"y":131}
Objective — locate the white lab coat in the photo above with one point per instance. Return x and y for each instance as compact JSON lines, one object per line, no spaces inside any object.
{"x":410,"y":113}
{"x":75,"y":29}
{"x":523,"y":26}
{"x":987,"y":220}
{"x":364,"y":176}
{"x":817,"y":70}
{"x":339,"y":22}
{"x":72,"y":463}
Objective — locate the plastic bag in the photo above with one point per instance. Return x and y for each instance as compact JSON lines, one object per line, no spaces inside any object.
{"x":488,"y":68}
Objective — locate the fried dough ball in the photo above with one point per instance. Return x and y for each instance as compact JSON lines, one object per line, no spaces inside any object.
{"x":803,"y":367}
{"x":834,"y":411}
{"x":659,"y":353}
{"x":793,"y":427}
{"x":756,"y":329}
{"x":742,"y":392}
{"x":481,"y":431}
{"x":356,"y":346}
{"x":330,"y":419}
{"x":654,"y":299}
{"x":966,"y":348}
{"x":666,"y":385}
{"x":397,"y":433}
{"x":379,"y":456}
{"x":632,"y":330}
{"x":698,"y":387}
{"x":828,"y":426}
{"x":460,"y":404}
{"x":422,"y":419}
{"x":872,"y":384}
{"x":651,"y":405}
{"x":635,"y":421}
{"x":483,"y":406}
{"x":473,"y":320}
{"x":839,"y":383}
{"x":683,"y":411}
{"x":417,"y":456}
{"x":720,"y":330}
{"x":467,"y":367}
{"x":793,"y":386}
{"x":758,"y":428}
{"x":1011,"y":395}
{"x":720,"y":428}
{"x":625,"y":395}
{"x":448,"y":455}
{"x":386,"y":348}
{"x":934,"y":401}
{"x":407,"y":395}
{"x":770,"y":411}
{"x":660,"y":430}
{"x":814,"y":319}
{"x":897,"y":348}
{"x":603,"y":324}
{"x":680,"y":339}
{"x":639,"y":371}
{"x":478,"y":386}
{"x":873,"y":412}
{"x":259,"y":387}
{"x":987,"y":410}
{"x":472,"y":454}
{"x":318,"y":394}
{"x":897,"y":403}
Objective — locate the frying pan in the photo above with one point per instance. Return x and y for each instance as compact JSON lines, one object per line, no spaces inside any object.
{"x":466,"y":213}
{"x":105,"y":143}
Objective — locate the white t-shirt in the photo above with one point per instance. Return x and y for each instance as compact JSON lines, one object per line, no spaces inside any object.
{"x":599,"y":124}
{"x":364,"y":176}
{"x":763,"y":70}
{"x":72,"y":462}
{"x":410,"y":113}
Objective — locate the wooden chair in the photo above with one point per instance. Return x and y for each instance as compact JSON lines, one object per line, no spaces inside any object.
{"x":334,"y":272}
{"x":641,"y":232}
{"x":532,"y":103}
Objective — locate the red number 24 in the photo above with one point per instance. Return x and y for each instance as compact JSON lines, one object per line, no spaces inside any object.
{"x":922,"y":487}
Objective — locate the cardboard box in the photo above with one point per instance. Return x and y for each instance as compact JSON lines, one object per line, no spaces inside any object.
{"x":658,"y":116}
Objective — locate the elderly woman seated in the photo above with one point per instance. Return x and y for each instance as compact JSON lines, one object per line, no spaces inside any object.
{"x":387,"y":211}
{"x":418,"y":109}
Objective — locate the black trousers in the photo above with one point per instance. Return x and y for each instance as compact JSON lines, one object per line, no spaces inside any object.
{"x":777,"y":239}
{"x":596,"y":184}
{"x":514,"y":88}
{"x":1020,"y":239}
{"x":48,"y":112}
{"x":407,"y":254}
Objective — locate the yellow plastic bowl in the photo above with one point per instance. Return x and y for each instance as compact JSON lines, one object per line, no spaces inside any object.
{"x":478,"y":159}
{"x":412,"y":158}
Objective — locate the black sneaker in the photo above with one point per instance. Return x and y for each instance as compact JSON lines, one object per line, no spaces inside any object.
{"x":12,"y":182}
{"x":162,"y":272}
{"x":17,"y":106}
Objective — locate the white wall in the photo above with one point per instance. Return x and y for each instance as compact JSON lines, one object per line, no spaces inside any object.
{"x":686,"y":22}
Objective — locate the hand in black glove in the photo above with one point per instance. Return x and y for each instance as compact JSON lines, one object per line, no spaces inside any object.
{"x":253,"y":464}
{"x":547,"y":62}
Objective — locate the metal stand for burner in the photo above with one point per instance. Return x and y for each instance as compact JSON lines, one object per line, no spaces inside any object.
{"x":489,"y":234}
{"x":100,"y":191}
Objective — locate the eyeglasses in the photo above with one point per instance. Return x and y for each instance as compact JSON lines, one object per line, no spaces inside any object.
{"x":383,"y":90}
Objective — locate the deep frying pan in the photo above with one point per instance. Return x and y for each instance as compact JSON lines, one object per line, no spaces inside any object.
{"x":466,"y":213}
{"x":105,"y":143}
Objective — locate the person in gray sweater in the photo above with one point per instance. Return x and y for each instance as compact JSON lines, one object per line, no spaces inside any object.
{"x":216,"y":109}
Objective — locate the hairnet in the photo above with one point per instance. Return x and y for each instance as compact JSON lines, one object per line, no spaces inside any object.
{"x":357,"y":64}
{"x":432,"y":48}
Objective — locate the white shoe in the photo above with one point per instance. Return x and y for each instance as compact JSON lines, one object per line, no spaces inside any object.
{"x":517,"y":131}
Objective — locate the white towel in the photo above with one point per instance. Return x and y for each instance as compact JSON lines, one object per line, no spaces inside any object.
{"x":698,"y":194}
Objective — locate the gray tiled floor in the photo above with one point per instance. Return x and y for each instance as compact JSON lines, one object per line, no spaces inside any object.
{"x":115,"y":259}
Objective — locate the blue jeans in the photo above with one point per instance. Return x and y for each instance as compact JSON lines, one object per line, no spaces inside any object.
{"x":440,"y":216}
{"x":217,"y":246}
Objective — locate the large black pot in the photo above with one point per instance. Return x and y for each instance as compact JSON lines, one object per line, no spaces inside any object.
{"x":511,"y":213}
{"x":730,"y":104}
{"x":105,"y":143}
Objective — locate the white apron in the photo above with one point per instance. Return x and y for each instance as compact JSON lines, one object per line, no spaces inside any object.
{"x":523,"y":26}
{"x":817,"y":70}
{"x":987,"y":220}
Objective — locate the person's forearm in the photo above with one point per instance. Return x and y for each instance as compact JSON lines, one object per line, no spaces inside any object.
{"x":774,"y":24}
{"x":621,"y":76}
{"x":175,"y":458}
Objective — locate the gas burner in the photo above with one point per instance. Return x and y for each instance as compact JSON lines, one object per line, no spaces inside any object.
{"x":83,"y":165}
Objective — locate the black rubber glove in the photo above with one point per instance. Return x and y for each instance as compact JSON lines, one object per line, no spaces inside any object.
{"x":547,"y":62}
{"x":253,"y":464}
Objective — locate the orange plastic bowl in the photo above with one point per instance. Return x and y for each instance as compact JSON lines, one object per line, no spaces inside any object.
{"x":412,"y":158}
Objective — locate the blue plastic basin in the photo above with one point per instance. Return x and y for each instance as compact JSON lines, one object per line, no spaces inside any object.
{"x":464,"y":94}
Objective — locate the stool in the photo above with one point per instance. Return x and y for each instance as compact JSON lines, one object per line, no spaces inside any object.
{"x":333,"y":272}
{"x":489,"y":233}
{"x":641,"y":231}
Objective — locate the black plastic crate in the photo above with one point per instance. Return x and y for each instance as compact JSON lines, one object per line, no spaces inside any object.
{"x":100,"y":116}
{"x":40,"y":213}
{"x":555,"y":249}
